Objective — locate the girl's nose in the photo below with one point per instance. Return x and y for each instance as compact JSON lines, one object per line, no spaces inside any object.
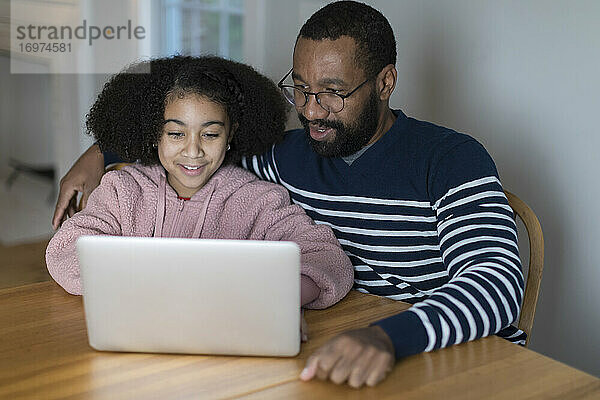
{"x":193,"y":148}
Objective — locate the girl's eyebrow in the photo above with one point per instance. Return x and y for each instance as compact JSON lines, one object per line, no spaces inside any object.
{"x":207,"y":123}
{"x":204,"y":125}
{"x":178,"y":122}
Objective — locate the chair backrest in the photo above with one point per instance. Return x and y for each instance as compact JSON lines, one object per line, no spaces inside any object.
{"x":116,"y":166}
{"x":536,"y":261}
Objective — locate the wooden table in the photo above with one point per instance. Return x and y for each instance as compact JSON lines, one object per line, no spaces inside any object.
{"x":44,"y":355}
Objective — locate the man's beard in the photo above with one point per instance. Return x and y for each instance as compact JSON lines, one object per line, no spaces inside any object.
{"x":348,"y":138}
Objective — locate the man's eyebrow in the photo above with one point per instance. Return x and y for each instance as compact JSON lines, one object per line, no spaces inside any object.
{"x":322,"y":82}
{"x":332,"y":81}
{"x":296,"y":76}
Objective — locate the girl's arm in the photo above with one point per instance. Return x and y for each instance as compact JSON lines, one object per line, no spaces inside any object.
{"x":101,"y":216}
{"x":327,"y":274}
{"x":309,"y":290}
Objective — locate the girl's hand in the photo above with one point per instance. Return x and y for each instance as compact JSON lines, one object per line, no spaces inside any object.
{"x":303,"y":327}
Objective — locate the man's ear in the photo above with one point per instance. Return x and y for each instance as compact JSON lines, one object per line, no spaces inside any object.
{"x":386,"y":81}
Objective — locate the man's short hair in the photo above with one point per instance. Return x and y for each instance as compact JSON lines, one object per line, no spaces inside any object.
{"x":376,"y":45}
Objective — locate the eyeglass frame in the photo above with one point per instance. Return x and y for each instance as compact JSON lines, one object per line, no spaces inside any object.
{"x":281,"y":86}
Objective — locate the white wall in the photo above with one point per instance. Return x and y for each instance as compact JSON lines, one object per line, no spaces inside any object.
{"x":5,"y":87}
{"x":523,"y":78}
{"x":25,"y":130}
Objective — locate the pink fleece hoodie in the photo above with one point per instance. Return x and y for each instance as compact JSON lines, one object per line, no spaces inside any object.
{"x":234,"y":204}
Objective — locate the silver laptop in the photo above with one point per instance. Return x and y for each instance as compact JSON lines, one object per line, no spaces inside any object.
{"x":193,"y":296}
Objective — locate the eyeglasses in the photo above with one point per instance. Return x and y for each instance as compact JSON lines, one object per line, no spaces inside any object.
{"x":329,"y":101}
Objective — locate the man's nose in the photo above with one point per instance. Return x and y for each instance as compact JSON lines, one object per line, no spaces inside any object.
{"x":313,"y":110}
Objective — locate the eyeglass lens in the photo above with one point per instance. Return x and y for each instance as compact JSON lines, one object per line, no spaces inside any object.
{"x":329,"y":101}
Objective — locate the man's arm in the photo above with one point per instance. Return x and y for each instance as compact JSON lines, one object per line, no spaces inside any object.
{"x":478,"y":245}
{"x":483,"y":295}
{"x":84,"y":176}
{"x":263,"y":166}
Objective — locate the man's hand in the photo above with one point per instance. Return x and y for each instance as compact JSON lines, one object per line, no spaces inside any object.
{"x":359,"y":356}
{"x":84,"y":176}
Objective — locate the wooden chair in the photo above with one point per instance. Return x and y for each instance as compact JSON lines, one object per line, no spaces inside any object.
{"x":116,"y":166}
{"x":536,"y":261}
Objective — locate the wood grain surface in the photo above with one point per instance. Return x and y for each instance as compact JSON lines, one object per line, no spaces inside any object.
{"x":44,"y":354}
{"x":23,"y":264}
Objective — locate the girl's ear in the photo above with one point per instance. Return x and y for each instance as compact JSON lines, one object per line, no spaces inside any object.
{"x":232,"y":131}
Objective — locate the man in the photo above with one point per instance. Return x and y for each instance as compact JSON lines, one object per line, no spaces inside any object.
{"x":418,"y":208}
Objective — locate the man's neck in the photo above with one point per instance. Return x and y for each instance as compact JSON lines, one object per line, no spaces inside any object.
{"x":386,"y":120}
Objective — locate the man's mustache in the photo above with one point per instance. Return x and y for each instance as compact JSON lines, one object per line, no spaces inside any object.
{"x":321,"y":122}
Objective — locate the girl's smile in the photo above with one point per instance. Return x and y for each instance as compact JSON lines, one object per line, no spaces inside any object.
{"x":192,"y":170}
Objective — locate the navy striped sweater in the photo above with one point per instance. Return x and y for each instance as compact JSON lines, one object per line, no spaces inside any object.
{"x":423,"y":218}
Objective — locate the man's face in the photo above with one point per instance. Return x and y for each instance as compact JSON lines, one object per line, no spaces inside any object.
{"x":329,"y":65}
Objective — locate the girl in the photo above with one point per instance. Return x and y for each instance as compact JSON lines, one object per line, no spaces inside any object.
{"x":187,"y":122}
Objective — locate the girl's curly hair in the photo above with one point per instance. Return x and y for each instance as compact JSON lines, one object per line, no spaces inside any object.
{"x":128,"y":116}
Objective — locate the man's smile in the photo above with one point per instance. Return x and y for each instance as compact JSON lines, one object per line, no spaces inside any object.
{"x":319,"y":132}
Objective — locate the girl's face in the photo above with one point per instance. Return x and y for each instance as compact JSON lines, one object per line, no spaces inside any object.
{"x":193,"y":143}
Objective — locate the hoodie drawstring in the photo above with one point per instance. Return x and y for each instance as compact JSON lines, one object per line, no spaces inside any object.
{"x":160,"y":206}
{"x":161,"y":209}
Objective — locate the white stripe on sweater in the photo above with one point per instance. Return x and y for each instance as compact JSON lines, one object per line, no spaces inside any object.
{"x":469,"y":199}
{"x":399,"y":264}
{"x":367,"y":216}
{"x":486,"y":295}
{"x":355,"y":199}
{"x":380,"y":282}
{"x":378,"y":232}
{"x":477,"y":239}
{"x":428,"y":327}
{"x":467,"y":185}
{"x":451,"y":316}
{"x":507,"y":285}
{"x":464,"y":310}
{"x":446,"y":223}
{"x":472,"y":300}
{"x":468,"y":228}
{"x":477,"y":252}
{"x":395,"y":249}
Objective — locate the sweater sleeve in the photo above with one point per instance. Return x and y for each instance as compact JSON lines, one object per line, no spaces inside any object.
{"x":100,"y":217}
{"x":262,"y":165}
{"x":478,"y":243}
{"x":322,"y":258}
